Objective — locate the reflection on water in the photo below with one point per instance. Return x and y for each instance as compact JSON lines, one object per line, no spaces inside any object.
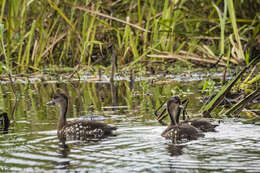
{"x":31,"y":143}
{"x":63,"y":150}
{"x":175,"y":150}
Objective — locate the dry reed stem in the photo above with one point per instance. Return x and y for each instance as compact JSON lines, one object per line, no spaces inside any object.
{"x":110,"y":17}
{"x":12,"y":85}
{"x":35,"y":47}
{"x":77,"y":69}
{"x":53,"y":44}
{"x":234,"y":61}
{"x":185,"y":58}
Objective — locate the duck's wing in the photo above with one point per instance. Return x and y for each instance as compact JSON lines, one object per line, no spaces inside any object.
{"x":94,"y":126}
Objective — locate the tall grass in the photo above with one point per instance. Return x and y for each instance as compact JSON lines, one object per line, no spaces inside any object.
{"x":38,"y":34}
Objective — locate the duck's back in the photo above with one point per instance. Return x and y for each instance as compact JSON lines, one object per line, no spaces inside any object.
{"x":84,"y":130}
{"x":203,"y":125}
{"x":182,"y":132}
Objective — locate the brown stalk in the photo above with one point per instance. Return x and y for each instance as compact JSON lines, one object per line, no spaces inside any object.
{"x":110,"y":17}
{"x":14,"y":93}
{"x":234,"y":61}
{"x":185,"y":58}
{"x":12,"y":85}
{"x":35,"y":47}
{"x":113,"y":63}
{"x":53,"y":44}
{"x":77,"y":68}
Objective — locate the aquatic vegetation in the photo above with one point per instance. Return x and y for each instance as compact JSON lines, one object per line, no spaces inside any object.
{"x":39,"y":34}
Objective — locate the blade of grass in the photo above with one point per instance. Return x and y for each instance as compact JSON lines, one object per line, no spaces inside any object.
{"x":206,"y":110}
{"x":237,"y":108}
{"x":222,"y":19}
{"x":232,"y":15}
{"x":26,"y":56}
{"x":53,"y":5}
{"x":139,"y":58}
{"x":2,"y":10}
{"x":2,"y":45}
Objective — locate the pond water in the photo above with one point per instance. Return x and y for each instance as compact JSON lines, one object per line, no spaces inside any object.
{"x":31,"y":143}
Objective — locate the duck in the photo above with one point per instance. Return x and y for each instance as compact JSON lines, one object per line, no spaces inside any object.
{"x":201,"y":124}
{"x":78,"y":129}
{"x":177,"y":131}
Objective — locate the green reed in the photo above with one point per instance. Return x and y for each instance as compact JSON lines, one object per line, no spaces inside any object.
{"x":39,"y":34}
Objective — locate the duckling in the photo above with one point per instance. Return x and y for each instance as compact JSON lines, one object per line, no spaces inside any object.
{"x":179,"y":131}
{"x":78,"y":129}
{"x":200,"y":124}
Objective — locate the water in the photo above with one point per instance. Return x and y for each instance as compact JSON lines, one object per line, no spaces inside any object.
{"x":31,"y":143}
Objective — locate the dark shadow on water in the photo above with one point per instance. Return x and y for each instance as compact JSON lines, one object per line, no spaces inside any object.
{"x":63,"y":150}
{"x":175,"y":150}
{"x":4,"y":123}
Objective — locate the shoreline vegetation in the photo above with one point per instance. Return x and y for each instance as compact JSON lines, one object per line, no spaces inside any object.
{"x":39,"y":34}
{"x":67,"y":37}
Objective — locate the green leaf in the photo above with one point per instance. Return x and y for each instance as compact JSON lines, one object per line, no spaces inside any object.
{"x":221,"y":94}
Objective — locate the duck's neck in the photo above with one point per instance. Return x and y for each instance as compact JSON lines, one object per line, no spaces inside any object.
{"x":6,"y":120}
{"x":174,"y":114}
{"x":62,"y":118}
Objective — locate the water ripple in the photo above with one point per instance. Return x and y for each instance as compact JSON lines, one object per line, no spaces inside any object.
{"x":136,"y":148}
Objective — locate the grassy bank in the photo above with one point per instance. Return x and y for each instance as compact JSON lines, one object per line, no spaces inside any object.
{"x":38,"y":34}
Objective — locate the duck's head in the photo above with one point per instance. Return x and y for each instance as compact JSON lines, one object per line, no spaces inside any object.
{"x":60,"y":99}
{"x":173,"y":103}
{"x":4,"y":114}
{"x":173,"y":108}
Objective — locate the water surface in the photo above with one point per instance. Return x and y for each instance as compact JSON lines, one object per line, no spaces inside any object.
{"x":31,"y":143}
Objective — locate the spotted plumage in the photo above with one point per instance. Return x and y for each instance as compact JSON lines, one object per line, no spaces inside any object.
{"x":182,"y":132}
{"x":179,"y":131}
{"x":78,"y":129}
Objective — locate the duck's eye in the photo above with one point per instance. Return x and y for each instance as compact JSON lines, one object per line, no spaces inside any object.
{"x":55,"y":97}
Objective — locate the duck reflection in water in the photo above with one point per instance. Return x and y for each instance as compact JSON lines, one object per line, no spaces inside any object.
{"x":63,"y":151}
{"x":175,"y":150}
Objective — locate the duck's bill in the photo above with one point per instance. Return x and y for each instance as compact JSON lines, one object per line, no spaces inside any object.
{"x":51,"y":103}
